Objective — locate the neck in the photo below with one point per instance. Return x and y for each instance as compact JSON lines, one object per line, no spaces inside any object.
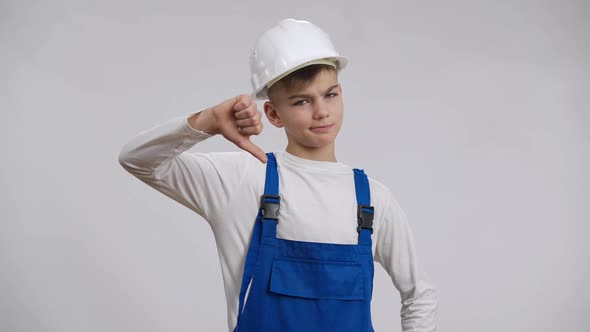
{"x":325,"y":153}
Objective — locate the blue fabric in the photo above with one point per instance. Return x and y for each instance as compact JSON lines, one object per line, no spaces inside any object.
{"x":306,"y":286}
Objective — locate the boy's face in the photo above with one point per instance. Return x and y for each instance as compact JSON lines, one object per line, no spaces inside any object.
{"x":301,"y":111}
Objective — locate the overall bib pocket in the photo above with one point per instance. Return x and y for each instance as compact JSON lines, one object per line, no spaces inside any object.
{"x":317,"y":279}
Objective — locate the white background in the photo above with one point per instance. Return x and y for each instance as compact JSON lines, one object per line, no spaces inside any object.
{"x":474,"y":113}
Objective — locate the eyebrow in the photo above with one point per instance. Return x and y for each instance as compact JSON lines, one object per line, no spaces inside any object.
{"x":309,"y":96}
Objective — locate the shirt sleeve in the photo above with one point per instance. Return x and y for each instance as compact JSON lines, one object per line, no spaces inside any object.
{"x":201,"y":181}
{"x":396,"y":252}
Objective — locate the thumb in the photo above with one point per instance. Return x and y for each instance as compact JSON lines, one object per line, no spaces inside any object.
{"x":247,"y":145}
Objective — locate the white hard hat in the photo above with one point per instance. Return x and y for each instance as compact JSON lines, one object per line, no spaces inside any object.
{"x":286,"y":47}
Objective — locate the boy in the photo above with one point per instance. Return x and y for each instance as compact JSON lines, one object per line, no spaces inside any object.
{"x":296,"y":231}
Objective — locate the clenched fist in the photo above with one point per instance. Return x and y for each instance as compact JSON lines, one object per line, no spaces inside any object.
{"x":236,"y":119}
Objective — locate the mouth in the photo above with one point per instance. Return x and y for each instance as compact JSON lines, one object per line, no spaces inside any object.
{"x":321,"y":128}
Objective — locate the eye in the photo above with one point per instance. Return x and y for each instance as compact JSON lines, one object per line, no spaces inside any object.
{"x":299,"y":103}
{"x":332,"y":95}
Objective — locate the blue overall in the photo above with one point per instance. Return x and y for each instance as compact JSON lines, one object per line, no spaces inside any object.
{"x":306,"y":286}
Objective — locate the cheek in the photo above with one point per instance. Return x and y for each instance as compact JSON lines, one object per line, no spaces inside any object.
{"x":337,"y":109}
{"x":299,"y":120}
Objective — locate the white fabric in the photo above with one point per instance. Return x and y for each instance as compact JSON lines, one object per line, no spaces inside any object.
{"x":318,"y":204}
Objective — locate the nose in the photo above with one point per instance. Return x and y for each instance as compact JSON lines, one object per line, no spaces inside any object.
{"x":320,"y":109}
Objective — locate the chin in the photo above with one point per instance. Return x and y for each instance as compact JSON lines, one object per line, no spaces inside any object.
{"x":320,"y":143}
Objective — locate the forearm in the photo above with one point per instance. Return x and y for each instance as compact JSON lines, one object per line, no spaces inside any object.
{"x":154,"y":147}
{"x":396,"y":252}
{"x":418,"y":311}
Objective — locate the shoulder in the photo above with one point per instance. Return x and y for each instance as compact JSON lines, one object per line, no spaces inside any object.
{"x":384,"y":200}
{"x":380,"y":193}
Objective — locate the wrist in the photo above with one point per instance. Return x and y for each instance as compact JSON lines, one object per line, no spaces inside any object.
{"x":204,"y":121}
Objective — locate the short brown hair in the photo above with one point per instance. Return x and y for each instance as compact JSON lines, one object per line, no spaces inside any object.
{"x":301,"y":77}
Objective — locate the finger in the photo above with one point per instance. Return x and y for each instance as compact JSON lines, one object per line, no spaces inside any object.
{"x":249,"y":122}
{"x":243,"y":114}
{"x":250,"y":130}
{"x":247,"y":112}
{"x":253,"y":149}
{"x":230,"y":103}
{"x":243,"y":102}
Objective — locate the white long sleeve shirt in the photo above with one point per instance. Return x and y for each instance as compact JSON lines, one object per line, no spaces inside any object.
{"x":318,"y":204}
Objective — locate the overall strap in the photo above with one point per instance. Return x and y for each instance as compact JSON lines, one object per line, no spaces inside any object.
{"x":365,"y":211}
{"x":267,"y":214}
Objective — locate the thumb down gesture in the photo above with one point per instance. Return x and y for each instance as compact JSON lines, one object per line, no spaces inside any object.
{"x":237,"y":119}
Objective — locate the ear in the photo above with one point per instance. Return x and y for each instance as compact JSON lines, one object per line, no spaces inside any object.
{"x":272,"y":114}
